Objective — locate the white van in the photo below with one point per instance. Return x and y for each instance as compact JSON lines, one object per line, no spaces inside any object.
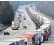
{"x":15,"y":25}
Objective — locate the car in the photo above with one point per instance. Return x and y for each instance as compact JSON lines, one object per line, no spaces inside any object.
{"x":6,"y":33}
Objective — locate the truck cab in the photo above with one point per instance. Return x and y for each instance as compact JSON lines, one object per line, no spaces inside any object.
{"x":35,"y":36}
{"x":39,"y":35}
{"x":46,"y":30}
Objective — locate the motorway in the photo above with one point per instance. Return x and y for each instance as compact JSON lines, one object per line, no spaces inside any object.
{"x":28,"y":22}
{"x":14,"y":33}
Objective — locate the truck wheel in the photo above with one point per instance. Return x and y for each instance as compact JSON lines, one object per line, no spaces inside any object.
{"x":47,"y":39}
{"x":40,"y":43}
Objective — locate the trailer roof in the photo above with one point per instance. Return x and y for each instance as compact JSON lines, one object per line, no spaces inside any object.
{"x":5,"y":43}
{"x":44,"y":26}
{"x":12,"y":40}
{"x":30,"y":33}
{"x":24,"y":36}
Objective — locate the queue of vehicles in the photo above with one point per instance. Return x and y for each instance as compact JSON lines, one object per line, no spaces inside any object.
{"x":34,"y":37}
{"x":17,"y":20}
{"x":46,"y":26}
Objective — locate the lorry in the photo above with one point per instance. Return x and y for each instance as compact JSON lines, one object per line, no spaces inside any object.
{"x":27,"y":39}
{"x":36,"y":38}
{"x":47,"y":30}
{"x":40,"y":33}
{"x":31,"y":38}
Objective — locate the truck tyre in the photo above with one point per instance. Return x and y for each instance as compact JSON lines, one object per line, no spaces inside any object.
{"x":40,"y":43}
{"x":47,"y":39}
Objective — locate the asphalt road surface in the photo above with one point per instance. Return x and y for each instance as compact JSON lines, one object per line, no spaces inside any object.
{"x":15,"y":33}
{"x":28,"y":22}
{"x":18,"y":32}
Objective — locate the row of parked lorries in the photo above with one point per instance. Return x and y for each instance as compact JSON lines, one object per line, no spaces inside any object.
{"x":35,"y":37}
{"x":46,"y":26}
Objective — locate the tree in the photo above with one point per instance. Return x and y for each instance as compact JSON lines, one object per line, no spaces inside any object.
{"x":6,"y":13}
